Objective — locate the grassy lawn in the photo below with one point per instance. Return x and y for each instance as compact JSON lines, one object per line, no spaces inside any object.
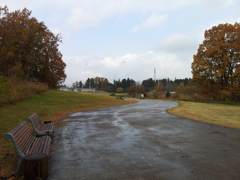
{"x":51,"y":105}
{"x":219,"y":114}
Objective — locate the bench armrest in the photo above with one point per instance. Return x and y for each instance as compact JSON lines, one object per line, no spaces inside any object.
{"x":37,"y":132}
{"x":8,"y":136}
{"x":33,"y":125}
{"x":43,"y":133}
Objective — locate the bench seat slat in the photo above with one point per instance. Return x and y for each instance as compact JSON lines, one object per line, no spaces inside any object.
{"x":35,"y":146}
{"x":25,"y":148}
{"x":47,"y":127}
{"x":22,"y":136}
{"x":39,"y":145}
{"x":46,"y":145}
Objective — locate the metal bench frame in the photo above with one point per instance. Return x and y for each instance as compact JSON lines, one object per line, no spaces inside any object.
{"x":40,"y":129}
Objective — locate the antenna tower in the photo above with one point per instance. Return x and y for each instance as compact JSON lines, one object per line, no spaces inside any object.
{"x":154,"y":76}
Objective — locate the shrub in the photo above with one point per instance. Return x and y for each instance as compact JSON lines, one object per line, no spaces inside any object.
{"x":168,"y":94}
{"x":4,"y":88}
{"x":15,"y":89}
{"x":119,"y":90}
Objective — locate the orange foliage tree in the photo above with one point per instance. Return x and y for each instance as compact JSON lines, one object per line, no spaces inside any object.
{"x":28,"y":49}
{"x":100,"y":82}
{"x":216,"y":66}
{"x":136,"y":90}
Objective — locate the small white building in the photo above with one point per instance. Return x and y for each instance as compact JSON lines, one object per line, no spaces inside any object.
{"x":65,"y":89}
{"x":87,"y":89}
{"x":77,"y":89}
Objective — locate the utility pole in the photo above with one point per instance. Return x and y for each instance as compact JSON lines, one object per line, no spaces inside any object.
{"x":154,"y":76}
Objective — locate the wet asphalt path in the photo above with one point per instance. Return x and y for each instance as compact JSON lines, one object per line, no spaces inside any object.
{"x":142,"y":141}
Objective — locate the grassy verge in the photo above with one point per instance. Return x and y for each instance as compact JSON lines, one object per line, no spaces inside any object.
{"x":50,"y":105}
{"x":14,"y":89}
{"x":218,"y":114}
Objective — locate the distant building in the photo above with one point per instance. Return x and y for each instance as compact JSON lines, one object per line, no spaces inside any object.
{"x":64,"y":89}
{"x":87,"y":89}
{"x":77,"y":89}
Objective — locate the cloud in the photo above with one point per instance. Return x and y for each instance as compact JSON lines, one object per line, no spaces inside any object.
{"x":110,"y":49}
{"x":178,"y":43}
{"x":216,"y":4}
{"x":136,"y":66}
{"x":153,"y":21}
{"x":80,"y":18}
{"x":88,"y":13}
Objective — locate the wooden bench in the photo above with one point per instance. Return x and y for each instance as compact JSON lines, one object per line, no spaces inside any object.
{"x":40,"y":129}
{"x":120,"y":97}
{"x":25,"y":143}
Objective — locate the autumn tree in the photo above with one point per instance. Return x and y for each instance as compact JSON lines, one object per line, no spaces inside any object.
{"x":157,"y":90}
{"x":189,"y":91}
{"x":29,"y":49}
{"x":74,"y":85}
{"x":136,"y":90}
{"x":119,"y":90}
{"x":181,"y":90}
{"x":100,"y":82}
{"x":132,"y":90}
{"x":77,"y":84}
{"x":216,"y":66}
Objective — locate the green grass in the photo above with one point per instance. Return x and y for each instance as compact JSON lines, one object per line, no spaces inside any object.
{"x":120,"y":94}
{"x":212,"y":113}
{"x":51,"y":105}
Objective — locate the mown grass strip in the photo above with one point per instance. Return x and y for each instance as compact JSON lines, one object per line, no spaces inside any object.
{"x":212,"y":113}
{"x":51,"y":106}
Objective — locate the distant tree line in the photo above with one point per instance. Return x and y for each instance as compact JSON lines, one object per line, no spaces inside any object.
{"x":128,"y":85}
{"x":167,"y":84}
{"x":101,"y":83}
{"x":125,"y":84}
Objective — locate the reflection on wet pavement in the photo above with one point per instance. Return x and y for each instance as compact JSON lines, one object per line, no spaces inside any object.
{"x":142,"y":141}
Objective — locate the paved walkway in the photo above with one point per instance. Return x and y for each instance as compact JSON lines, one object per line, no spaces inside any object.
{"x":142,"y":141}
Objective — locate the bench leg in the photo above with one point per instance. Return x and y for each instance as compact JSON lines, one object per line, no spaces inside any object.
{"x":36,"y":166}
{"x":19,"y":165}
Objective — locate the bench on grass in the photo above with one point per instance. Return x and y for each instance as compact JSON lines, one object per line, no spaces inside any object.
{"x":26,"y":144}
{"x":120,"y":97}
{"x":40,"y":129}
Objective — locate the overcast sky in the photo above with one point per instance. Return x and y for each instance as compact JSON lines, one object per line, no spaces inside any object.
{"x":119,"y":39}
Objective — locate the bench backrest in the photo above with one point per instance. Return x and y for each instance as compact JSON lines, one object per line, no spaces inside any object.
{"x":36,"y":120}
{"x":21,"y":137}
